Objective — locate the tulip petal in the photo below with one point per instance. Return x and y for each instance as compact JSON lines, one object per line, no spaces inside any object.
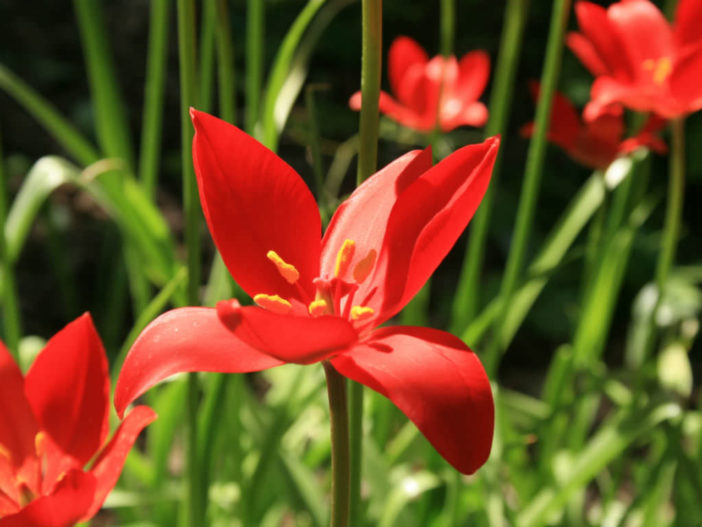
{"x":473,"y":75}
{"x":363,"y":217}
{"x":404,"y":53}
{"x":436,"y":381}
{"x":184,"y":340}
{"x":684,"y":82}
{"x":597,"y":28}
{"x":64,"y":507}
{"x":644,"y":31}
{"x":687,"y":23}
{"x":289,"y":338}
{"x":586,"y":53}
{"x":254,"y":202}
{"x":68,"y":388}
{"x":108,"y":466}
{"x":424,"y":224}
{"x":17,"y":425}
{"x":405,"y":115}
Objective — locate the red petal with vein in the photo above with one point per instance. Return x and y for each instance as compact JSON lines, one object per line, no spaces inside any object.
{"x":597,"y":28}
{"x":424,"y":224}
{"x":64,"y":507}
{"x":108,"y":465}
{"x":184,"y":340}
{"x":290,"y":338}
{"x":687,"y":23}
{"x":17,"y":424}
{"x":586,"y":53}
{"x":436,"y":381}
{"x":473,"y":75}
{"x":643,"y":29}
{"x":363,"y":217}
{"x":255,"y":202}
{"x":68,"y":388}
{"x":404,"y":53}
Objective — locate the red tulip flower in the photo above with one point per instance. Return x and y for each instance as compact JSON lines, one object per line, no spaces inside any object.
{"x":639,"y":59}
{"x":598,"y":142}
{"x":441,"y":92}
{"x":320,"y":299}
{"x":53,"y":422}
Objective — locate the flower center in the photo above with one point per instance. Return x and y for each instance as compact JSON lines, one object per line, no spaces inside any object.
{"x":349,"y":273}
{"x":659,"y":68}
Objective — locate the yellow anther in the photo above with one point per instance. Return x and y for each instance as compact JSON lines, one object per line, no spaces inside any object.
{"x":361,"y":312}
{"x":319,"y":307}
{"x":344,"y":257}
{"x":273,"y":303}
{"x":364,"y":267}
{"x":286,"y":270}
{"x":661,"y":68}
{"x":40,"y":443}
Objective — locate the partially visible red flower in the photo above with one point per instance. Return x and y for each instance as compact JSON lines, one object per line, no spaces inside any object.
{"x":319,"y":299}
{"x":52,"y":423}
{"x":598,"y":142}
{"x":638,"y":59}
{"x":439,"y":92}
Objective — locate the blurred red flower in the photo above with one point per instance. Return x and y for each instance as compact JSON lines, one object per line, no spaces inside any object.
{"x":320,"y":299}
{"x":598,"y":142}
{"x":52,"y":423}
{"x":638,"y":59}
{"x":439,"y":92}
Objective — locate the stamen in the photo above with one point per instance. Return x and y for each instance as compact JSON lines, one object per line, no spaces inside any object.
{"x":660,"y":68}
{"x":286,"y":270}
{"x":344,"y":256}
{"x":40,"y":443}
{"x":319,"y":307}
{"x":273,"y":303}
{"x":361,"y":313}
{"x":4,"y":452}
{"x":364,"y":267}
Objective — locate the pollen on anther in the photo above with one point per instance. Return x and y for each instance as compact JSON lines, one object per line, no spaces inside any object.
{"x":318,"y":307}
{"x":40,"y":444}
{"x":361,"y":312}
{"x":364,"y":267}
{"x":273,"y":303}
{"x":286,"y":270}
{"x":344,"y":257}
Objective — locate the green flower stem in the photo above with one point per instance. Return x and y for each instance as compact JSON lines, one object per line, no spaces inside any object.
{"x":674,"y":207}
{"x":156,"y":58}
{"x":10,"y":306}
{"x":336,"y":389}
{"x":188,"y":96}
{"x":448,"y":26}
{"x":207,"y":55}
{"x":532,"y":176}
{"x":467,"y":297}
{"x":225,"y":64}
{"x":371,"y":63}
{"x":255,"y":24}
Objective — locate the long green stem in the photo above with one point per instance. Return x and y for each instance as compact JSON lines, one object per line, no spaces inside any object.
{"x":156,"y":59}
{"x":371,"y":63}
{"x":10,"y":307}
{"x":336,"y":389}
{"x":467,"y":296}
{"x":674,"y":207}
{"x":225,"y":64}
{"x":448,"y":26}
{"x":255,"y":23}
{"x":207,"y":54}
{"x":188,"y":96}
{"x":532,"y":176}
